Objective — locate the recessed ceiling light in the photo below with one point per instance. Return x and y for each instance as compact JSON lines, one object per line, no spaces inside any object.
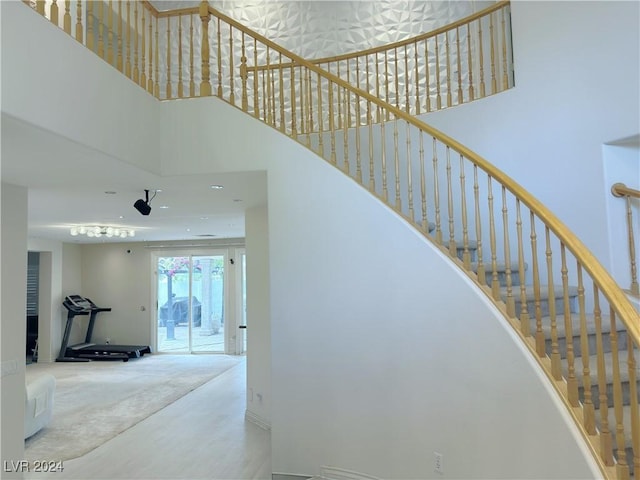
{"x":164,"y":206}
{"x":217,"y":187}
{"x":204,"y":218}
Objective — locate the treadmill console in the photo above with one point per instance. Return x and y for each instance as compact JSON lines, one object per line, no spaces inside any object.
{"x":76,"y":303}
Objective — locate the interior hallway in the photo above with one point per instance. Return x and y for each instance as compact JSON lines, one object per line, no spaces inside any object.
{"x":185,"y":441}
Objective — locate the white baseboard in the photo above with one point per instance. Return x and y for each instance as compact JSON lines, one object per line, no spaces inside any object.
{"x":257,"y":420}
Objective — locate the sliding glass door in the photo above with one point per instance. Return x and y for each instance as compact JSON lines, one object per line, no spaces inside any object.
{"x":191,"y":303}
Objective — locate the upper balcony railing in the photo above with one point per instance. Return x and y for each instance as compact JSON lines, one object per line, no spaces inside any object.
{"x":529,"y":264}
{"x":630,"y":195}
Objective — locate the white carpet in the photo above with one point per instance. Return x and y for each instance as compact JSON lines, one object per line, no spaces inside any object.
{"x":96,"y":401}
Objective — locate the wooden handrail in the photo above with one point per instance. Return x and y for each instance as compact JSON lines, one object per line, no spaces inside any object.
{"x":621,"y":190}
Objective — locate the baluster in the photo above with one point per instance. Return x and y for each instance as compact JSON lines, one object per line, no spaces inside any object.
{"x":267,"y":94}
{"x":409,"y":175}
{"x":481,"y":274}
{"x":205,"y":84}
{"x":256,"y":96}
{"x":219,"y":55}
{"x":396,"y":164}
{"x":40,"y":7}
{"x":320,"y":119}
{"x":572,"y":381}
{"x":606,"y":440}
{"x":396,"y":75}
{"x":180,"y":84}
{"x":79,"y":31}
{"x":428,"y":77}
{"x":110,"y":46}
{"x":510,"y":301}
{"x":244,"y":76}
{"x":265,"y":90}
{"x":556,"y":368}
{"x":136,"y":71}
{"x":168,"y":93}
{"x":348,"y":104}
{"x":525,"y":324}
{"x":466,"y":254}
{"x":339,"y":102}
{"x":633,"y":394}
{"x":377,"y":88}
{"x":588,"y":408}
{"x":635,"y":289}
{"x":540,"y":340}
{"x":143,"y":48}
{"x":345,"y":132}
{"x":281,"y":94}
{"x":358,"y":123}
{"x":406,"y":82}
{"x":470,"y":63}
{"x":301,"y":89}
{"x":437,"y":79}
{"x":294,"y":128}
{"x":448,"y":55}
{"x":481,"y":59}
{"x":383,"y":159}
{"x":622,"y":468}
{"x":100,"y":29}
{"x":348,"y":111}
{"x":309,"y":105}
{"x":436,"y":193}
{"x":358,"y":120}
{"x":386,"y":78}
{"x":232,"y":94}
{"x":460,"y":99}
{"x":53,"y":12}
{"x":127,"y":63}
{"x":192,"y":83}
{"x":150,"y":58}
{"x":505,"y":76}
{"x":423,"y":185}
{"x":369,"y":118}
{"x":453,"y":248}
{"x":495,"y":283}
{"x":372,"y":182}
{"x":120,"y":27}
{"x":417,"y":73}
{"x":332,"y":131}
{"x":156,"y":92}
{"x":66,"y":21}
{"x":494,"y":87}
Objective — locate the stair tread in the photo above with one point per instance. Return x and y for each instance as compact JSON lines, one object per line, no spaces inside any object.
{"x":608,"y":360}
{"x":590,"y":324}
{"x":611,"y":415}
{"x":558,"y":292}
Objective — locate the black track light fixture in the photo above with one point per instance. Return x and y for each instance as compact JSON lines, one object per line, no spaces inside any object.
{"x":143,"y":205}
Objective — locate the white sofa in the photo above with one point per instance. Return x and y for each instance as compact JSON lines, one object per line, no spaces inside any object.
{"x":40,"y":392}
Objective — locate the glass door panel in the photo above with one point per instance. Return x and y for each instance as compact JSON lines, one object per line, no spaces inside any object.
{"x":173,"y":304}
{"x":207,"y":304}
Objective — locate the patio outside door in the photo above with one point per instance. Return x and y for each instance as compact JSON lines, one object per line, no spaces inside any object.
{"x":191,"y":304}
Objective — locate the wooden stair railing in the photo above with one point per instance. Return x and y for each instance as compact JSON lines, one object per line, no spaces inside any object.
{"x":568,"y":311}
{"x":463,"y":61}
{"x":621,"y":190}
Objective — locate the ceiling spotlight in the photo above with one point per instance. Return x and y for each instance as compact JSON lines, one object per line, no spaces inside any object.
{"x":143,"y":205}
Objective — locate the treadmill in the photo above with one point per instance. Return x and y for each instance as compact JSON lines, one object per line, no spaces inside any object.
{"x":87,"y":351}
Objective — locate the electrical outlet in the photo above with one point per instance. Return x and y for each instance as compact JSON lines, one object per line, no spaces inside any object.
{"x":438,"y":459}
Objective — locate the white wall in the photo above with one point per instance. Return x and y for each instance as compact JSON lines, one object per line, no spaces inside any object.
{"x":577,"y":87}
{"x":13,"y":292}
{"x":259,"y":392}
{"x":382,"y":354}
{"x":78,"y":106}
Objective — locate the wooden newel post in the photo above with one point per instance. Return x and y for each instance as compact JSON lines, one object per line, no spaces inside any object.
{"x":205,"y":84}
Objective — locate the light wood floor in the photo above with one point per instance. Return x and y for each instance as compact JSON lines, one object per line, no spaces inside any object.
{"x":185,"y":441}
